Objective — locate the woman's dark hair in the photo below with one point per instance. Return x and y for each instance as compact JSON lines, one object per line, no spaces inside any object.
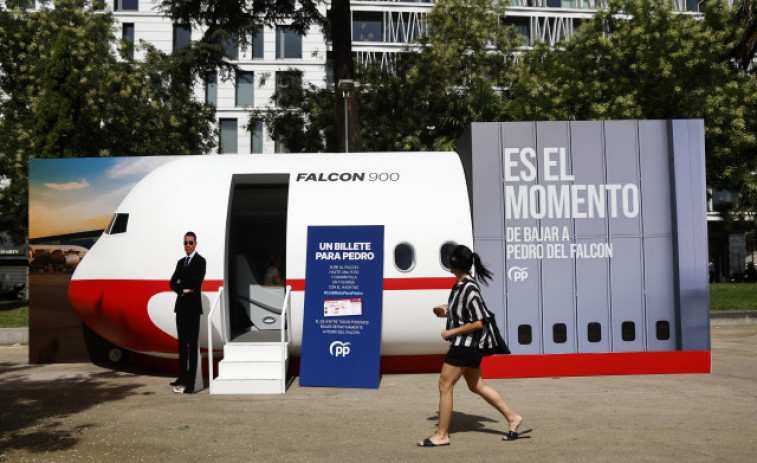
{"x":464,"y":259}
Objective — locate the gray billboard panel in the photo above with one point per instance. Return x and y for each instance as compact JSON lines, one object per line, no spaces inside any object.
{"x":602,"y":232}
{"x":589,"y":168}
{"x":693,"y":296}
{"x":627,"y":298}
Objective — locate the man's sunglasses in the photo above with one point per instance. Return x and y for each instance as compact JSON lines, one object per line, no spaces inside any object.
{"x":189,"y":243}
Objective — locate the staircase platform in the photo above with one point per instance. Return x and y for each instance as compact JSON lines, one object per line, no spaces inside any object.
{"x":253,"y":363}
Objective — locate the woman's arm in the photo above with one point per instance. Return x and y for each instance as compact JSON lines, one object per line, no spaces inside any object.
{"x":440,"y":310}
{"x":464,"y":329}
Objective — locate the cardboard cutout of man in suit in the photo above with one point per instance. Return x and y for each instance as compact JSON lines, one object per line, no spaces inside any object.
{"x":186,"y":282}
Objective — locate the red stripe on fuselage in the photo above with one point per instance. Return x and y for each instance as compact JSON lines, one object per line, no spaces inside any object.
{"x":117,"y":311}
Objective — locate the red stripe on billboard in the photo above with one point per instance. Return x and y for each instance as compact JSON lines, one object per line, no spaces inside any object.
{"x":615,"y":363}
{"x":553,"y":365}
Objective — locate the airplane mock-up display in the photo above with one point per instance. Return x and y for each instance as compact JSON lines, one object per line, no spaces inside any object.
{"x":595,"y":231}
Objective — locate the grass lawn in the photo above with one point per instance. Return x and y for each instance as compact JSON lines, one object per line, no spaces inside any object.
{"x":733,"y":296}
{"x":14,"y":314}
{"x":723,"y":296}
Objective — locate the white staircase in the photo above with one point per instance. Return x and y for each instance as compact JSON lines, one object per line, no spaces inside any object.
{"x":254,"y":363}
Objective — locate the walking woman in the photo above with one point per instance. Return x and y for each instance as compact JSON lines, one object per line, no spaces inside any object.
{"x":472,"y":333}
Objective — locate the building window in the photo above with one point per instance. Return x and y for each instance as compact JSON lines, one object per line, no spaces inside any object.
{"x":211,"y":88}
{"x":128,"y":38}
{"x":256,"y":131}
{"x":257,"y":44}
{"x":288,"y":43}
{"x":228,"y":142}
{"x":245,"y":88}
{"x":522,"y":30}
{"x":182,"y":35}
{"x":330,"y":68}
{"x":403,"y":28}
{"x":286,"y":80}
{"x":280,"y":147}
{"x":231,"y":46}
{"x":125,"y":5}
{"x":367,"y":26}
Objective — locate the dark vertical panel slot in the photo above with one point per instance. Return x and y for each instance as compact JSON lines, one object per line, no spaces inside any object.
{"x":594,"y":332}
{"x":524,"y":334}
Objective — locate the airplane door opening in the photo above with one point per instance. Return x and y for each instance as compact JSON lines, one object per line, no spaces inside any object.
{"x":256,"y":253}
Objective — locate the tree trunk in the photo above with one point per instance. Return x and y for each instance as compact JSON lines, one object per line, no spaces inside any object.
{"x":341,"y":45}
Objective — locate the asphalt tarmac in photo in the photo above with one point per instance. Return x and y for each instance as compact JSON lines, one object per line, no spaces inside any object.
{"x":84,"y":412}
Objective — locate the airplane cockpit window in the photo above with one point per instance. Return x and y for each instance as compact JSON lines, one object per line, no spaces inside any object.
{"x":445,"y":252}
{"x":118,"y":224}
{"x":404,"y":257}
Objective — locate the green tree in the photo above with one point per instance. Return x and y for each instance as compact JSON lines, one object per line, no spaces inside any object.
{"x":637,"y":59}
{"x":234,"y":23}
{"x":64,"y":93}
{"x":745,"y":15}
{"x":455,"y":74}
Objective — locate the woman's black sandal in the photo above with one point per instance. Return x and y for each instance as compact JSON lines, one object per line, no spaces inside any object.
{"x":512,"y":435}
{"x":427,"y":442}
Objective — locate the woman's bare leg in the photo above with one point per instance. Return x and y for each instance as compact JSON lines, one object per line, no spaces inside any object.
{"x":449,"y":376}
{"x":476,"y":384}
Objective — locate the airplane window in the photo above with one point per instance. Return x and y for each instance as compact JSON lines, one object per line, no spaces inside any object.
{"x":445,"y":252}
{"x":404,"y":257}
{"x":118,"y":224}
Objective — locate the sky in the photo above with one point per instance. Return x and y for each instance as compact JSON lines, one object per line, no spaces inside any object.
{"x":81,"y":194}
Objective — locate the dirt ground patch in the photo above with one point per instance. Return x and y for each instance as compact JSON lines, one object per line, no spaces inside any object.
{"x":82,"y":412}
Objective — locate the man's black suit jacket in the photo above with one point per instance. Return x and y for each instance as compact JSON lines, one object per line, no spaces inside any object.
{"x":188,"y":277}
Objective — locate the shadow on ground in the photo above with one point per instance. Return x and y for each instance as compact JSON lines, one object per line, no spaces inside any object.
{"x":35,"y":406}
{"x":464,"y":422}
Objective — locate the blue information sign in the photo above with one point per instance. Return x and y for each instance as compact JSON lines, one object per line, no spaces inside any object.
{"x":341,"y":337}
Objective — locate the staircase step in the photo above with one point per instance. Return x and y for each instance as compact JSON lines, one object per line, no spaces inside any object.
{"x":249,"y":370}
{"x":246,"y":386}
{"x":268,"y":351}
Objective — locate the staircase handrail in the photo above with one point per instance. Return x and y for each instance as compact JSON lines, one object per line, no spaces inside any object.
{"x":210,"y":335}
{"x":285,"y":335}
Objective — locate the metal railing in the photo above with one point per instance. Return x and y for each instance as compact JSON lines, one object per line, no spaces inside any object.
{"x":285,"y":336}
{"x":215,"y":304}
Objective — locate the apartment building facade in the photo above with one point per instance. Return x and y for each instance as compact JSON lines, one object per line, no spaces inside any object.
{"x":280,"y":56}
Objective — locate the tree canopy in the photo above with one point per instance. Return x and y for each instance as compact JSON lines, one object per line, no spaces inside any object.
{"x":426,"y":98}
{"x":637,"y":59}
{"x":65,"y":92}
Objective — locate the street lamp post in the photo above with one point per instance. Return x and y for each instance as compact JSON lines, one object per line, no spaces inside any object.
{"x":346,"y":86}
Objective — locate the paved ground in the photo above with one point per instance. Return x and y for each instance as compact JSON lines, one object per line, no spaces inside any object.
{"x":81,"y":412}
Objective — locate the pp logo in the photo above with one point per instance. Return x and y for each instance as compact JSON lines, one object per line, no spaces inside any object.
{"x":517,"y":273}
{"x":339,"y":349}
